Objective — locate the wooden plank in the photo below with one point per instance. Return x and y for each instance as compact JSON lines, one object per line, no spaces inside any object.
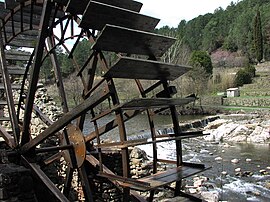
{"x":17,"y":55}
{"x":13,"y":86}
{"x":123,"y":144}
{"x":123,"y":179}
{"x":136,"y":142}
{"x":78,"y":6}
{"x":10,"y":4}
{"x":37,"y":8}
{"x":4,"y":102}
{"x":3,"y":10}
{"x":183,"y":133}
{"x":22,"y":43}
{"x":97,"y":15}
{"x":7,"y":137}
{"x":93,"y":161}
{"x":115,"y":38}
{"x":16,"y":70}
{"x":132,"y":68}
{"x":4,"y":119}
{"x":147,"y":103}
{"x":27,"y":38}
{"x":17,"y":27}
{"x":165,"y":177}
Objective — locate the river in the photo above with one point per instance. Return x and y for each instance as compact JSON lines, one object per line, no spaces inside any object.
{"x":246,"y":185}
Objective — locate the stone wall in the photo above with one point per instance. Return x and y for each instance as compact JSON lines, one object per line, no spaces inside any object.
{"x":215,"y":100}
{"x":247,"y":102}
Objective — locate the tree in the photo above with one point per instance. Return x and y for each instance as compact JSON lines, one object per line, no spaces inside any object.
{"x":242,"y":77}
{"x":201,"y":58}
{"x":258,"y":38}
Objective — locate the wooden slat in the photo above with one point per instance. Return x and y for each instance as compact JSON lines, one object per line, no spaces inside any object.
{"x":3,"y":10}
{"x":21,"y":43}
{"x":10,"y":4}
{"x":14,"y":86}
{"x":17,"y":27}
{"x":17,"y":55}
{"x":4,"y":102}
{"x":92,"y":160}
{"x":165,"y":178}
{"x":132,"y":68}
{"x":146,"y":103}
{"x":115,"y":38}
{"x":4,"y":119}
{"x":16,"y":70}
{"x":184,"y":133}
{"x":97,"y":15}
{"x":133,"y":143}
{"x":7,"y":137}
{"x":78,"y":6}
{"x":123,"y":179}
{"x":123,"y":144}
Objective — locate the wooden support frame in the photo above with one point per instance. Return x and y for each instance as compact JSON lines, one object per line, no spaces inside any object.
{"x":46,"y":13}
{"x":10,"y":101}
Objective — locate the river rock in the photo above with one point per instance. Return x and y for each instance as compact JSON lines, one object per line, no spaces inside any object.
{"x":237,"y":169}
{"x":218,"y":159}
{"x":212,"y":196}
{"x":267,"y":185}
{"x":138,"y":153}
{"x":235,"y":161}
{"x":259,"y":135}
{"x":222,"y":132}
{"x":253,"y":128}
{"x":224,"y":173}
{"x":248,"y":160}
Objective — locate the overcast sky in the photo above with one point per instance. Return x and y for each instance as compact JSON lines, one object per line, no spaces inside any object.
{"x":171,"y":12}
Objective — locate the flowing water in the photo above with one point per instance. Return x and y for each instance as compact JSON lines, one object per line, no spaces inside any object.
{"x":246,"y":185}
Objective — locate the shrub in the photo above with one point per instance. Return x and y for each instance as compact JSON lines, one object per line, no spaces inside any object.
{"x":201,"y":58}
{"x":242,"y":77}
{"x":251,"y":70}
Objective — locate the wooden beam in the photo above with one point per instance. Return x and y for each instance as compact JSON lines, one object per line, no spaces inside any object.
{"x":39,"y":174}
{"x":46,"y":13}
{"x":7,"y":137}
{"x":115,"y":38}
{"x":97,"y":15}
{"x":90,"y":102}
{"x":9,"y":94}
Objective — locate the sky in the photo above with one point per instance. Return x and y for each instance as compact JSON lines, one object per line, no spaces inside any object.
{"x":171,"y":12}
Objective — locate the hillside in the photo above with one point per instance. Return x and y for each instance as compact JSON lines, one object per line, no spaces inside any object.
{"x":230,"y":29}
{"x":260,"y":85}
{"x":256,"y":94}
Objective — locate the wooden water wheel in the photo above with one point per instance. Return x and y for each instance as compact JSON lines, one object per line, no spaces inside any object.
{"x":113,"y":26}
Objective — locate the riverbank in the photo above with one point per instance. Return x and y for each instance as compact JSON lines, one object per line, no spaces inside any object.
{"x":237,"y":149}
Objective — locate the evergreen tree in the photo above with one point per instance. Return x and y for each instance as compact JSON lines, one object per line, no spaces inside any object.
{"x":202,"y":59}
{"x":258,"y":38}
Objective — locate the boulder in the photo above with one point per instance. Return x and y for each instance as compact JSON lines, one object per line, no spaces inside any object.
{"x":259,"y":135}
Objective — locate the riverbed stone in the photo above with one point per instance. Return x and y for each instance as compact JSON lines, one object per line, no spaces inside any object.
{"x":212,"y":196}
{"x":218,"y":158}
{"x":260,"y":135}
{"x":235,"y":161}
{"x":138,"y":153}
{"x":237,"y":169}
